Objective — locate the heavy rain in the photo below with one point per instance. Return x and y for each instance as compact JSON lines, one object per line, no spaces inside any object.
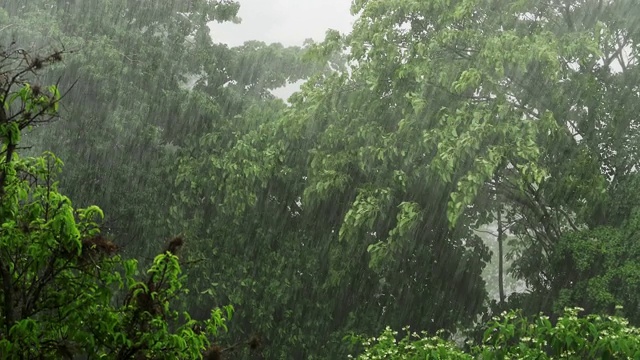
{"x":307,"y":180}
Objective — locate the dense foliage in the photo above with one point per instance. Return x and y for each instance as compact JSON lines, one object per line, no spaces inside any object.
{"x":431,"y":129}
{"x":60,"y":277}
{"x":512,"y":336}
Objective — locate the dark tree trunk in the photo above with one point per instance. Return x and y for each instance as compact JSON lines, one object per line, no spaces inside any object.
{"x":500,"y":258}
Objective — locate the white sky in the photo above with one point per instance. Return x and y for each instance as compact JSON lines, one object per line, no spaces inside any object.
{"x":289,"y":22}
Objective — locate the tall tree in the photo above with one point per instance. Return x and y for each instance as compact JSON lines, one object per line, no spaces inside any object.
{"x":150,"y":82}
{"x":530,"y":82}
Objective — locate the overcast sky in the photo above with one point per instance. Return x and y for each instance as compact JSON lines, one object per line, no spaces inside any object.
{"x":289,"y":22}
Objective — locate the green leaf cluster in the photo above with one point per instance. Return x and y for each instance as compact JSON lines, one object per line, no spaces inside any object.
{"x":65,"y":290}
{"x":514,"y":336}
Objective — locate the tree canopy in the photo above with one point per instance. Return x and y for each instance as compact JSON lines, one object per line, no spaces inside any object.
{"x":60,"y":277}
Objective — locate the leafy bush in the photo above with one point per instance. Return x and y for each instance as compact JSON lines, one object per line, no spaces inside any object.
{"x":512,"y":336}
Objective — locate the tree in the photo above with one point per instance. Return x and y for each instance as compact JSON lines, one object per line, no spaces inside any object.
{"x":65,"y":290}
{"x":151,"y":81}
{"x":326,"y":210}
{"x":149,"y":112}
{"x":513,"y":99}
{"x":598,"y":269}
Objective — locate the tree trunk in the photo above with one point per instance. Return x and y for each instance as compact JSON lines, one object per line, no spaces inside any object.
{"x":500,"y":258}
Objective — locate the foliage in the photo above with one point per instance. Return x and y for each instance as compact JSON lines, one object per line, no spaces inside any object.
{"x":354,"y":208}
{"x":515,"y":337}
{"x":584,"y":210}
{"x":598,"y":269}
{"x":141,"y":98}
{"x":62,"y":281}
{"x":521,"y":107}
{"x":150,"y":128}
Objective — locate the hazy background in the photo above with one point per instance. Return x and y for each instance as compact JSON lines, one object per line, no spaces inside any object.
{"x":289,"y":22}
